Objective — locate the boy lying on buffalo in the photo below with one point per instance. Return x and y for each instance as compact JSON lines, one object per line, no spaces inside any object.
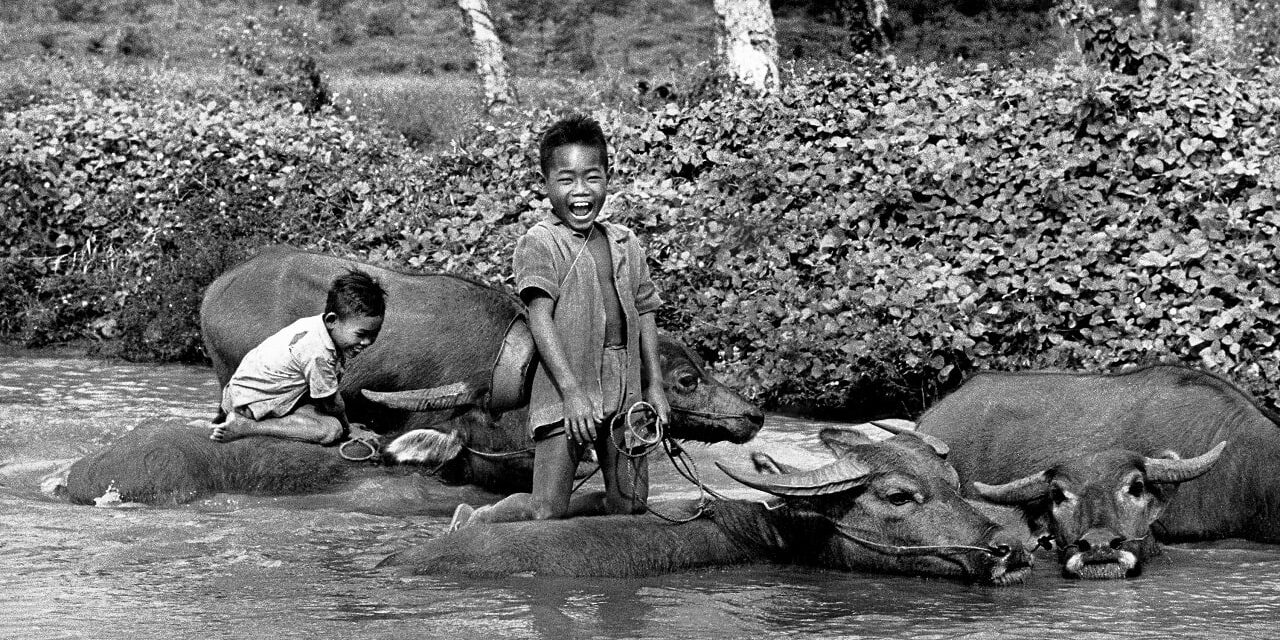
{"x":287,"y":387}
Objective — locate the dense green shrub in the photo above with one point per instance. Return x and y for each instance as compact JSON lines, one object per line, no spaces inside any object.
{"x":861,"y":240}
{"x":157,"y":182}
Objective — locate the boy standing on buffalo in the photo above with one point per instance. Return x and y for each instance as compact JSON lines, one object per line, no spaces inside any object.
{"x":287,"y":387}
{"x":591,"y":310}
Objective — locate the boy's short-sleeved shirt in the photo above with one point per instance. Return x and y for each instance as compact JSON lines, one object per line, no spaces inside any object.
{"x":553,"y":258}
{"x":298,"y":361}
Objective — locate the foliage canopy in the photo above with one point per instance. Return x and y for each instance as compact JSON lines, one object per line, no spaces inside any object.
{"x":860,"y":241}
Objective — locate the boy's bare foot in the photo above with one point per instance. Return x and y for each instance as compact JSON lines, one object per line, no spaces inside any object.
{"x":228,"y":430}
{"x":461,"y":516}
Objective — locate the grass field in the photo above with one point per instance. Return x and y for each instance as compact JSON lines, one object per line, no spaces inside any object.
{"x":410,"y":64}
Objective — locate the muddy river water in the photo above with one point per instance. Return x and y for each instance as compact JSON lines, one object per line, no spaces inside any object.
{"x":237,"y":566}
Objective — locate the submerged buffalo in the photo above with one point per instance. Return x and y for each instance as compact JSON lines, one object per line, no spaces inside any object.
{"x":892,"y":506}
{"x":1099,"y":507}
{"x":1097,"y":453}
{"x":440,"y":331}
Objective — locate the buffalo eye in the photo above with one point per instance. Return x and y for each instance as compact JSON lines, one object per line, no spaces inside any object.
{"x":686,"y":382}
{"x":899,"y":498}
{"x":1057,"y":495}
{"x":1136,"y":488}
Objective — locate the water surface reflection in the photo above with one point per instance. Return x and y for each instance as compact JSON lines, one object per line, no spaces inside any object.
{"x":236,"y":567}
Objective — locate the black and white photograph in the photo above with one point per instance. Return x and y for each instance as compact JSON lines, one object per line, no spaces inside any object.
{"x":640,"y":319}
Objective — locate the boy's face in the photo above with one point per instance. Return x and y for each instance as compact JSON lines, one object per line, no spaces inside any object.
{"x":352,"y":334}
{"x":576,"y":185}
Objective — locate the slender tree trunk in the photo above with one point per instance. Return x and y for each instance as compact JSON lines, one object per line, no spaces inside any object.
{"x":489,"y":62}
{"x":1149,"y":14}
{"x":747,"y":44}
{"x":1215,"y":29}
{"x":864,"y":22}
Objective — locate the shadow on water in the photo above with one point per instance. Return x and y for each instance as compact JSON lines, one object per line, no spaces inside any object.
{"x":303,"y":567}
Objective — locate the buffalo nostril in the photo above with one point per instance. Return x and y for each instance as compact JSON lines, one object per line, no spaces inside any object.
{"x":1116,"y":543}
{"x":1001,"y":550}
{"x":1083,"y":545}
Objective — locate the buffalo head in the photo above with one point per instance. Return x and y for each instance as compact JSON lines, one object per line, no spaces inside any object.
{"x":702,"y":408}
{"x":896,"y":506}
{"x":1100,"y":506}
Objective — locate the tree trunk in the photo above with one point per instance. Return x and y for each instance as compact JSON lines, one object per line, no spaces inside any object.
{"x":1148,"y":14}
{"x":746,"y":43}
{"x":864,"y":22}
{"x":1215,"y":29}
{"x":489,"y":62}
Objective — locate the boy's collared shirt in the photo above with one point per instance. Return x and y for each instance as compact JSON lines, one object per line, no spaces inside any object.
{"x":554,"y":258}
{"x":295,"y":362}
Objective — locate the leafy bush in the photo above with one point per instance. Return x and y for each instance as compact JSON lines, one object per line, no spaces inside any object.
{"x":176,"y":191}
{"x":862,"y":240}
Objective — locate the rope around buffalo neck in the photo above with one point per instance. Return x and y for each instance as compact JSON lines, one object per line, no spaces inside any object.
{"x":705,"y":414}
{"x":499,"y":455}
{"x":913,"y":550}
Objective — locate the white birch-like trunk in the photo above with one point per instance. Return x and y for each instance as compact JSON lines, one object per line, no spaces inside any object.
{"x":1214,"y":29}
{"x":747,"y":43}
{"x":489,"y":61}
{"x":1148,"y":14}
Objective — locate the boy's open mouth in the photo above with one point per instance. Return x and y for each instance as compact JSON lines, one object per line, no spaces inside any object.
{"x":580,"y":209}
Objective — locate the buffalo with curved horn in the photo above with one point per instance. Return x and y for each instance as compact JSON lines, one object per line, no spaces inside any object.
{"x":889,"y":506}
{"x":1100,"y":506}
{"x":1097,"y":508}
{"x":1007,"y":426}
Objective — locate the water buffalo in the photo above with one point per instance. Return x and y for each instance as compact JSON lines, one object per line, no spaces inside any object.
{"x":1098,"y":447}
{"x":439,"y":330}
{"x":889,"y":506}
{"x":1099,"y":507}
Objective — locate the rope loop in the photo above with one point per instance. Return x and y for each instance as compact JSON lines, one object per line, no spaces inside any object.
{"x":641,"y":435}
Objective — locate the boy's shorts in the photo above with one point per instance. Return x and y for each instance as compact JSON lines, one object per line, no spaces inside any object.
{"x":229,"y":408}
{"x":246,"y":411}
{"x":613,"y":386}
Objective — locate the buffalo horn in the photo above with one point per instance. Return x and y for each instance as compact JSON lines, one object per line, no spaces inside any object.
{"x":1167,"y":470}
{"x":841,"y":475}
{"x":905,"y":426}
{"x":436,"y":398}
{"x":1020,"y":491}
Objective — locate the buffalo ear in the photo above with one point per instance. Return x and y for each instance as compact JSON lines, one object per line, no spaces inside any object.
{"x":765,"y":464}
{"x":840,"y":441}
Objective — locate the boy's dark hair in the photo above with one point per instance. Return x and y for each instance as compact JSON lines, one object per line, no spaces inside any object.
{"x":356,"y":293}
{"x":574,"y":129}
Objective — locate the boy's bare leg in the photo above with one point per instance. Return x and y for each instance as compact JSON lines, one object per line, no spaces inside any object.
{"x":554,"y":461}
{"x":304,"y":424}
{"x":626,"y":479}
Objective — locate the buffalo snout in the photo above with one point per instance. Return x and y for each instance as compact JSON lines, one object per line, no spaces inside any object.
{"x":1100,"y":540}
